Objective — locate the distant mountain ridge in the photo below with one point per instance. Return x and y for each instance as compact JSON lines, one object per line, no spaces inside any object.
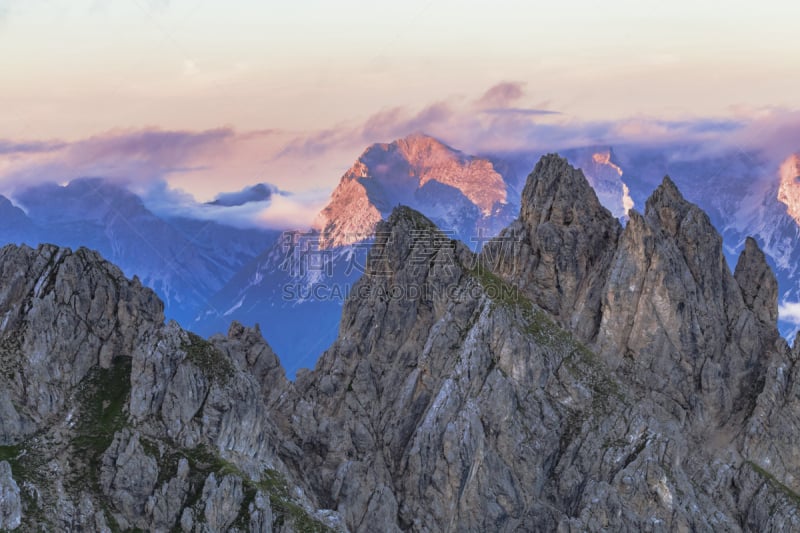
{"x":185,"y":261}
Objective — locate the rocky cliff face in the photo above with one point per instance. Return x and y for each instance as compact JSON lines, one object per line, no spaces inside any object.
{"x":461,"y":193}
{"x":789,"y":189}
{"x":112,"y":420}
{"x":589,"y":377}
{"x":559,"y":250}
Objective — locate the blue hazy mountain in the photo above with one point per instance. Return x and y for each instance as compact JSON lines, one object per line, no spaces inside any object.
{"x":15,"y":226}
{"x":183,"y":260}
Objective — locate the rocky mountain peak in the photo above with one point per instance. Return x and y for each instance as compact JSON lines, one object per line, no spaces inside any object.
{"x":422,"y":150}
{"x":420,"y":171}
{"x":789,"y":188}
{"x":666,"y":206}
{"x":409,"y":242}
{"x":559,"y":193}
{"x":691,"y":230}
{"x":558,"y":250}
{"x":47,"y":297}
{"x":758,"y":283}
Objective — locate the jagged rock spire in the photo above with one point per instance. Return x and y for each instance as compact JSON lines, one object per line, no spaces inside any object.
{"x":758,"y":283}
{"x":559,"y":249}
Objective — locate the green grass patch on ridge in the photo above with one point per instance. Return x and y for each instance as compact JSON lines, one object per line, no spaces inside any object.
{"x":581,"y":361}
{"x":208,"y":358}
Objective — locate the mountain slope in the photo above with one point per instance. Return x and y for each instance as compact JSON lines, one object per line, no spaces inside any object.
{"x":113,"y":420}
{"x":16,"y":226}
{"x":458,"y":396}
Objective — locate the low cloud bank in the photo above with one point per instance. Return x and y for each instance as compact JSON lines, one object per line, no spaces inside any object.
{"x":277,"y":178}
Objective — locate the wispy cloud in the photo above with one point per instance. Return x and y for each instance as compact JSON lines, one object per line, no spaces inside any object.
{"x":501,"y":95}
{"x":281,"y":210}
{"x":385,"y":125}
{"x":790,"y":312}
{"x":776,"y":131}
{"x":507,"y":129}
{"x":8,"y":147}
{"x":167,"y":168}
{"x":519,"y":111}
{"x":179,"y":171}
{"x":124,"y":156}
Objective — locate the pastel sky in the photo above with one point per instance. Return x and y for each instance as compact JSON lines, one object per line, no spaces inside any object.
{"x":213,"y":96}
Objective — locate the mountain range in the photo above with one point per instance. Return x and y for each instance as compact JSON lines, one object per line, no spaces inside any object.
{"x":740,"y":192}
{"x":294,"y":284}
{"x":578,"y":374}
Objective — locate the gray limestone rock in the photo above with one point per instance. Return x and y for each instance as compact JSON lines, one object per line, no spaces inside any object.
{"x":559,"y":249}
{"x":10,"y":503}
{"x":128,"y":475}
{"x":221,"y":502}
{"x":574,"y":376}
{"x":758,"y":283}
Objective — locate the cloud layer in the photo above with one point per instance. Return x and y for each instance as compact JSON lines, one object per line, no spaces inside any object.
{"x":260,"y":192}
{"x":179,"y":171}
{"x":790,"y":312}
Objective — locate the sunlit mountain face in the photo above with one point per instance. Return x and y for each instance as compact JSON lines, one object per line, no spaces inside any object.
{"x":789,"y":190}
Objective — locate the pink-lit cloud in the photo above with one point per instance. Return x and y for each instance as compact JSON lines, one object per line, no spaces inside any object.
{"x":504,"y":94}
{"x":124,"y":156}
{"x":514,"y":127}
{"x":178,"y":171}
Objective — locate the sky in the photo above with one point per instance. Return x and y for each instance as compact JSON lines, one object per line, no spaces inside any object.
{"x":214,"y":96}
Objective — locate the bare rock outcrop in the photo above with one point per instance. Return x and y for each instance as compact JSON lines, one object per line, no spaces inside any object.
{"x":10,"y":504}
{"x":559,"y":249}
{"x":574,"y":376}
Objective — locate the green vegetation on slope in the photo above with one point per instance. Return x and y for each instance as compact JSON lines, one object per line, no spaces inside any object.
{"x":208,"y":358}
{"x":545,"y":332}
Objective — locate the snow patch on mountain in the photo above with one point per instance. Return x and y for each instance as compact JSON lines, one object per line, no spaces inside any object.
{"x":789,"y":189}
{"x":604,"y":174}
